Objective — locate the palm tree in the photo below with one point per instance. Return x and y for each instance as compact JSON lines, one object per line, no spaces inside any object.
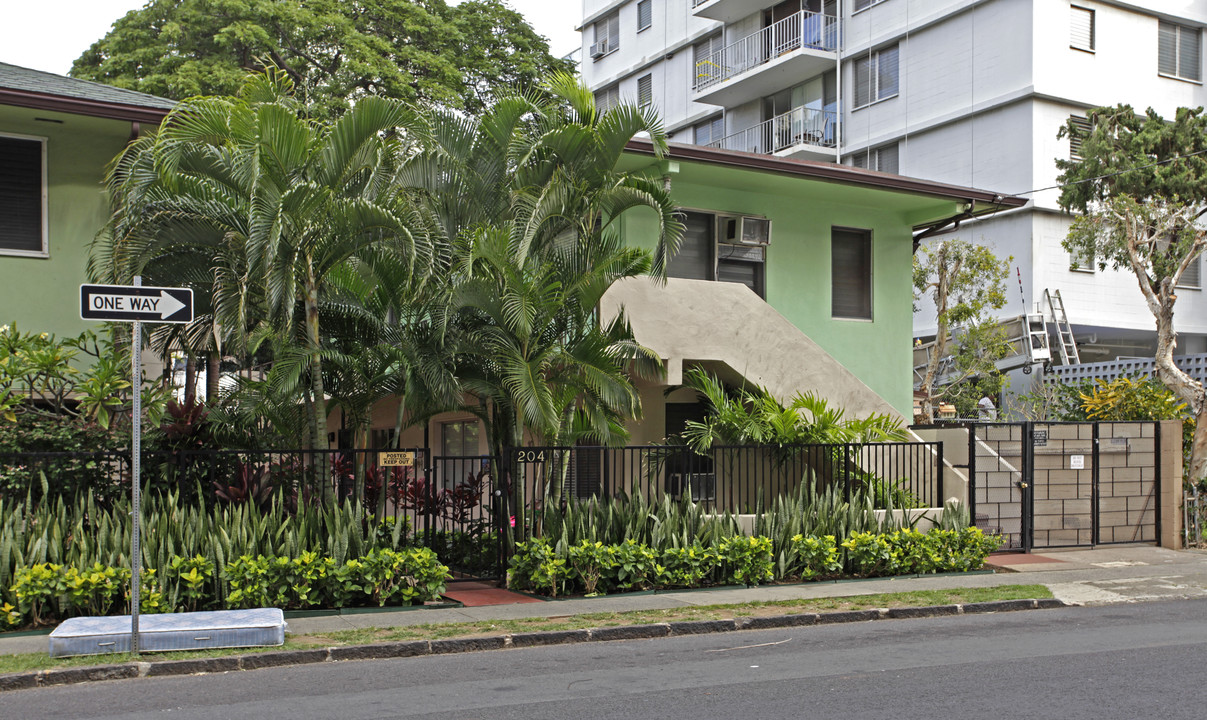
{"x":271,"y":203}
{"x":534,"y":252}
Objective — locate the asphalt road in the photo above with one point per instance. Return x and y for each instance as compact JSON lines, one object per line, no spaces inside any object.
{"x":1141,"y":660}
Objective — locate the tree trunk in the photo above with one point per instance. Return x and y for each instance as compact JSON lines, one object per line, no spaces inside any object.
{"x":213,"y":370}
{"x":314,"y":345}
{"x":927,"y":387}
{"x":190,"y":379}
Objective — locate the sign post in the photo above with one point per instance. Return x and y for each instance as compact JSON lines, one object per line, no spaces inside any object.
{"x":135,"y":304}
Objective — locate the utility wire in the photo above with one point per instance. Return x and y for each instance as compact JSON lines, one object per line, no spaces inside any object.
{"x":1114,"y":174}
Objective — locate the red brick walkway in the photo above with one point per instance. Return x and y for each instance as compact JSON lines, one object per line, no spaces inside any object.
{"x":479,"y":593}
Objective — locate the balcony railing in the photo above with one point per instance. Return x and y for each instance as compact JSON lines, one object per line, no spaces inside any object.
{"x":802,"y":30}
{"x":798,"y":126}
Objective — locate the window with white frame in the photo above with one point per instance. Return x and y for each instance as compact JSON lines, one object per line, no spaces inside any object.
{"x":607,"y":98}
{"x":876,"y":76}
{"x":1179,"y":51}
{"x":709,"y":131}
{"x":1193,"y":276}
{"x":1081,"y":28}
{"x":645,"y":14}
{"x":22,"y":195}
{"x":607,"y":35}
{"x":851,"y":274}
{"x":645,"y":90}
{"x":884,"y":158}
{"x":704,"y":67}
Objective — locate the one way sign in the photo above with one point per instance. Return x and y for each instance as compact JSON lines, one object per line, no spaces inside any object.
{"x":135,"y":302}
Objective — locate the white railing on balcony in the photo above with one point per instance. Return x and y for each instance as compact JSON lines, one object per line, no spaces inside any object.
{"x":802,"y":30}
{"x":798,"y":126}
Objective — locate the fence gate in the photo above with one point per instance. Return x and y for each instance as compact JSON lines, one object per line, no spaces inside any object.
{"x":1049,"y":485}
{"x":457,"y":514}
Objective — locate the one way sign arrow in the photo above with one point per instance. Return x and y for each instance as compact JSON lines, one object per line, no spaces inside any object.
{"x":132,"y":302}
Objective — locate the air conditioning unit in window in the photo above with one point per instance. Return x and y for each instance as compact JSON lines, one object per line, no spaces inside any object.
{"x":743,"y":230}
{"x":701,"y":486}
{"x":599,"y":49}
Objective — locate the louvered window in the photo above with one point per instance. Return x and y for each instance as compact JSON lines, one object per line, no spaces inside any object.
{"x":1178,"y":51}
{"x":607,"y":35}
{"x":1080,"y":131}
{"x":1081,"y":28}
{"x":1193,"y":277}
{"x":607,"y":98}
{"x":704,"y":66}
{"x":883,"y":158}
{"x":22,"y":188}
{"x":645,"y":14}
{"x":861,"y":4}
{"x":645,"y":90}
{"x":851,"y":274}
{"x":710,"y":131}
{"x":876,"y":76}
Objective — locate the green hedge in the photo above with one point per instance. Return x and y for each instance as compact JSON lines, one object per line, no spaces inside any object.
{"x":47,"y":592}
{"x":595,"y":568}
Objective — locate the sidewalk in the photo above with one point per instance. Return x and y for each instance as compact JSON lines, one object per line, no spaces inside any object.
{"x":1099,"y":576}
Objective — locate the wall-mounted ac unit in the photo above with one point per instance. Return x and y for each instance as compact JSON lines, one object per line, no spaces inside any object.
{"x":743,"y":230}
{"x":599,"y":49}
{"x":701,"y":486}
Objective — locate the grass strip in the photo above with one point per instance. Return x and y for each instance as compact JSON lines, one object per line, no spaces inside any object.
{"x":366,"y":636}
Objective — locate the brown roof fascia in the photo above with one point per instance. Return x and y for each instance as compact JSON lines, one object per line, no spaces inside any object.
{"x":990,"y":202}
{"x":79,"y":106}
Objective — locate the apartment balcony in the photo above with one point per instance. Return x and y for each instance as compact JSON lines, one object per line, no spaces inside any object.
{"x":797,"y":47}
{"x":802,"y":133}
{"x":727,"y":11}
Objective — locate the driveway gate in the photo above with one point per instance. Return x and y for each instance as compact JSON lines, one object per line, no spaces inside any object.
{"x":1048,"y":485}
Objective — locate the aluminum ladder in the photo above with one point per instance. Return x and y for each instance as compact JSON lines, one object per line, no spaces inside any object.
{"x":1068,"y":345}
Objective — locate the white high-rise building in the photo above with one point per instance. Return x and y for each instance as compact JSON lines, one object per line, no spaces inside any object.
{"x":969,"y":92}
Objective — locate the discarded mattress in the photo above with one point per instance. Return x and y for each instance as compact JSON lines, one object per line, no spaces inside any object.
{"x":175,"y":631}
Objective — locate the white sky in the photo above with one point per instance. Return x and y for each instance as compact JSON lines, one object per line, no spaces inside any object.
{"x":50,"y":34}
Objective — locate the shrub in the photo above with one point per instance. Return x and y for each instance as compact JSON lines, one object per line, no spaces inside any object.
{"x":592,"y":563}
{"x":536,"y":566}
{"x":688,"y":566}
{"x":38,"y":589}
{"x":745,"y":560}
{"x":815,"y":557}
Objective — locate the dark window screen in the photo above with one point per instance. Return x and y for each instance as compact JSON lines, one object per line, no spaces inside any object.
{"x":851,"y":274}
{"x":20,"y":194}
{"x":694,"y":258}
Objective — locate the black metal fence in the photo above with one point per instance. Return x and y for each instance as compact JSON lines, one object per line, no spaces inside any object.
{"x":738,"y":479}
{"x":457,"y":507}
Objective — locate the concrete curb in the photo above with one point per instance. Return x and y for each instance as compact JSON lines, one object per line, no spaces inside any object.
{"x":414,"y":648}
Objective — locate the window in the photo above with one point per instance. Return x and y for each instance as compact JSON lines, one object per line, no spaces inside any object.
{"x":1178,"y":51}
{"x":1081,"y":28}
{"x":645,"y":90}
{"x":607,"y":98}
{"x":709,"y":131}
{"x":1081,"y":130}
{"x":876,"y":76}
{"x":704,"y":68}
{"x":1193,"y":277}
{"x":883,"y":158}
{"x":22,"y":195}
{"x":645,"y":14}
{"x":712,"y":248}
{"x":864,"y":4}
{"x":459,"y":439}
{"x":851,"y":274}
{"x":607,"y":36}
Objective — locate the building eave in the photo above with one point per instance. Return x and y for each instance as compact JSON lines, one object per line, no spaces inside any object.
{"x":980,"y":202}
{"x":81,"y":106}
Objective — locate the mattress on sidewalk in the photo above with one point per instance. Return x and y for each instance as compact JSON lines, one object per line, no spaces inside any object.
{"x":175,"y":631}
